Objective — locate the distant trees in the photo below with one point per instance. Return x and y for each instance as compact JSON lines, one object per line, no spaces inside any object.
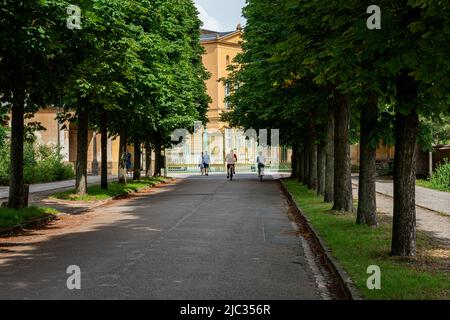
{"x":133,"y":70}
{"x":315,"y":70}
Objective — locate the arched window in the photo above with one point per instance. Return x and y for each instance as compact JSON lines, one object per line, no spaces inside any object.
{"x":228,"y":60}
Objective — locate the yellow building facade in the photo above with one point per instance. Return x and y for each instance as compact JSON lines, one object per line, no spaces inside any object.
{"x":64,"y":136}
{"x":220,"y":50}
{"x":216,"y":138}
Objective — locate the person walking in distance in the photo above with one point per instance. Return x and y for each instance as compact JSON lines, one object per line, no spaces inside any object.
{"x":206,"y":162}
{"x":128,"y":162}
{"x":261,"y":161}
{"x":200,"y":163}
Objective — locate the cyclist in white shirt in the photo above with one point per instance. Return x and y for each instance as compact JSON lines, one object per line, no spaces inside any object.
{"x":231,"y":159}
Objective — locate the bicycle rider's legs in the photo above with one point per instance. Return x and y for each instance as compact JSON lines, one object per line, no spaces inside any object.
{"x":229,"y":168}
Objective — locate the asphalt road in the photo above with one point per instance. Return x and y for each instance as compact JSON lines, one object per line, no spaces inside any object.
{"x":202,"y":238}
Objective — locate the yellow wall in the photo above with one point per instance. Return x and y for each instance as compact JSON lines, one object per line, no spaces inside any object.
{"x":47,"y":118}
{"x":215,"y":61}
{"x":384,"y":153}
{"x":68,"y":138}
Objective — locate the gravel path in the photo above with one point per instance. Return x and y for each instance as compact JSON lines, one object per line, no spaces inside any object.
{"x":436,"y":224}
{"x":434,"y":200}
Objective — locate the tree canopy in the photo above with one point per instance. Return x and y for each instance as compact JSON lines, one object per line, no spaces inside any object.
{"x":316,"y":71}
{"x":131,"y":69}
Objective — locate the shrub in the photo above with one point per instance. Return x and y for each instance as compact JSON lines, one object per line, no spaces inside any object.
{"x":441,"y":177}
{"x":42,"y":163}
{"x":29,"y":155}
{"x":4,"y":164}
{"x":48,"y":166}
{"x":4,"y":171}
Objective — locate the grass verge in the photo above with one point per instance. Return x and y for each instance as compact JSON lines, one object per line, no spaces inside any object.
{"x":356,"y":247}
{"x":10,"y":218}
{"x":428,"y":184}
{"x":95,"y":193}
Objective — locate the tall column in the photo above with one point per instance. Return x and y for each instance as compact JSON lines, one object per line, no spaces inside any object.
{"x":197,"y":141}
{"x":94,"y":154}
{"x":63,"y":142}
{"x":110,"y":156}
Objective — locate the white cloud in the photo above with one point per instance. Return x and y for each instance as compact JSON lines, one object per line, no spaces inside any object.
{"x":209,"y":22}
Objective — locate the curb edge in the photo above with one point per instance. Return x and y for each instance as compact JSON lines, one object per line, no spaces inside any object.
{"x":342,"y":275}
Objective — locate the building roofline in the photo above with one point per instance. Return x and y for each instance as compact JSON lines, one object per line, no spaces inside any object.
{"x":209,"y":37}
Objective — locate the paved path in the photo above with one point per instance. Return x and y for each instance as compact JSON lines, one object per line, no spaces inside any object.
{"x":52,"y":186}
{"x":202,"y":238}
{"x":435,"y":200}
{"x":436,"y":224}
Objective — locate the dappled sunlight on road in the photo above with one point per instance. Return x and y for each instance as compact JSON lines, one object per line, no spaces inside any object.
{"x":28,"y":244}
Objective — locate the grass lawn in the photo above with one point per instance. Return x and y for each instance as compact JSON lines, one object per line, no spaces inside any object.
{"x":428,"y":184}
{"x":11,"y":218}
{"x":115,"y":189}
{"x":425,"y":276}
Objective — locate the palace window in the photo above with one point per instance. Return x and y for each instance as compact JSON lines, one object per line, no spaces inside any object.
{"x":227,"y":94}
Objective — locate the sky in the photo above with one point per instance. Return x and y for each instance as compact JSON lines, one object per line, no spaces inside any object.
{"x":221,"y":15}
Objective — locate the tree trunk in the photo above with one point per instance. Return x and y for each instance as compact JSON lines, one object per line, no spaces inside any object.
{"x":300,"y":167}
{"x":306,"y":155}
{"x":165,"y":162}
{"x":82,"y":152}
{"x":148,"y":160}
{"x":329,"y":150}
{"x":343,"y":198}
{"x":430,"y":165}
{"x":16,"y":183}
{"x":104,"y":151}
{"x":367,"y":206}
{"x":294,"y":162}
{"x":312,"y":180}
{"x":158,"y":152}
{"x":406,"y":131}
{"x":137,"y":161}
{"x":123,"y":158}
{"x":321,"y":163}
